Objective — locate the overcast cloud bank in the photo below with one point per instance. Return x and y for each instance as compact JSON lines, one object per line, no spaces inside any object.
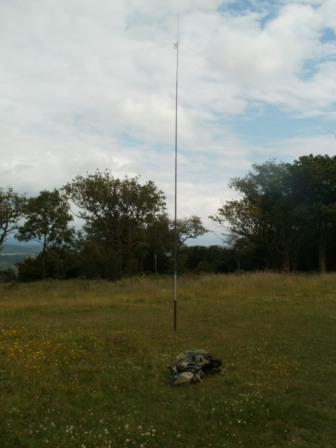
{"x":86,"y":85}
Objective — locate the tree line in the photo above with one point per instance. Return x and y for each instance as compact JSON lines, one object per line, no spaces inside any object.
{"x":122,"y":228}
{"x":284,"y":219}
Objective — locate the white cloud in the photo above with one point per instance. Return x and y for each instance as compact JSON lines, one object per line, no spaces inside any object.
{"x":87,"y":85}
{"x":290,"y":149}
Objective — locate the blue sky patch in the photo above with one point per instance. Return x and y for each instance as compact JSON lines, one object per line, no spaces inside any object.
{"x":328,"y":35}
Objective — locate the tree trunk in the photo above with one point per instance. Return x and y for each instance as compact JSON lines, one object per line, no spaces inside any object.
{"x":322,"y":255}
{"x":322,"y":250}
{"x":294,"y":264}
{"x":286,"y":261}
{"x":44,"y":273}
{"x":237,"y":260}
{"x":155,"y":264}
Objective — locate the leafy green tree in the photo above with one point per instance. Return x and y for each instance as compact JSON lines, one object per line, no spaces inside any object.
{"x":264,"y":216}
{"x":208,"y":259}
{"x":286,"y":211}
{"x":58,"y":262}
{"x":189,"y":228}
{"x":47,"y":218}
{"x":118,"y":215}
{"x":11,"y":210}
{"x":160,"y":241}
{"x":314,"y":188}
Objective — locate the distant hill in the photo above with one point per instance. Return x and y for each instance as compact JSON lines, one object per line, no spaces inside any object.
{"x":12,"y":254}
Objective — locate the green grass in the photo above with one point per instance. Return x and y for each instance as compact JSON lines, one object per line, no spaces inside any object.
{"x":84,"y":364}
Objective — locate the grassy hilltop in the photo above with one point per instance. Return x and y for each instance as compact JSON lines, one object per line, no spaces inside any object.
{"x":84,"y":363}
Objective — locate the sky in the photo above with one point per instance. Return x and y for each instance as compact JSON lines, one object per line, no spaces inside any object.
{"x":88,"y":85}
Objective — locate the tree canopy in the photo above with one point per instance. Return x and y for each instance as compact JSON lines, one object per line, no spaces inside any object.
{"x":283,"y":218}
{"x":284,"y":209}
{"x":11,"y":210}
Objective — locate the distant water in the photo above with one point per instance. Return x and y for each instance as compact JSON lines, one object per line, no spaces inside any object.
{"x":11,"y":254}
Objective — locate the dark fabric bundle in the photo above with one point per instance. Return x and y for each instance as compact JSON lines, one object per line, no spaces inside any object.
{"x":191,"y":367}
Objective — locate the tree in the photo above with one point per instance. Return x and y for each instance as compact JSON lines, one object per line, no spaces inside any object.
{"x":57,"y":262}
{"x":160,"y":242}
{"x":208,"y":259}
{"x":47,"y":219}
{"x":118,"y":216}
{"x":287,"y":211}
{"x":314,"y":187}
{"x":189,"y":228}
{"x":264,"y":216}
{"x":11,"y":209}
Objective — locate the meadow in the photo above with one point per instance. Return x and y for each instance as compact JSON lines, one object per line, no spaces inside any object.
{"x":83,"y":364}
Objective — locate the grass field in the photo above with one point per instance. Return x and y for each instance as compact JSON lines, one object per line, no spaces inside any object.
{"x":84,"y":364}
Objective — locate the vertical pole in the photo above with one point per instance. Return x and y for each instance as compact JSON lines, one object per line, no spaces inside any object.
{"x":155,"y":263}
{"x":175,"y":202}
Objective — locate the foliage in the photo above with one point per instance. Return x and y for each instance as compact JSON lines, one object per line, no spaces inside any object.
{"x":11,"y":209}
{"x":189,"y":228}
{"x":110,"y":206}
{"x":56,"y":262}
{"x":314,"y":190}
{"x":121,"y":219}
{"x":215,"y":259}
{"x":8,"y":275}
{"x":284,"y":219}
{"x":283,"y":209}
{"x":47,"y":218}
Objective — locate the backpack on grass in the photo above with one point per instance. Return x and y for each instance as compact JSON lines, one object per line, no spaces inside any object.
{"x":192,"y":366}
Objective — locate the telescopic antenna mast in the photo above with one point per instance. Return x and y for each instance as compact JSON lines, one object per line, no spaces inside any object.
{"x":176,"y":46}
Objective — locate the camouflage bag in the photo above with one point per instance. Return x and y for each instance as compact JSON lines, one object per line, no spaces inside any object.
{"x":191,"y":367}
